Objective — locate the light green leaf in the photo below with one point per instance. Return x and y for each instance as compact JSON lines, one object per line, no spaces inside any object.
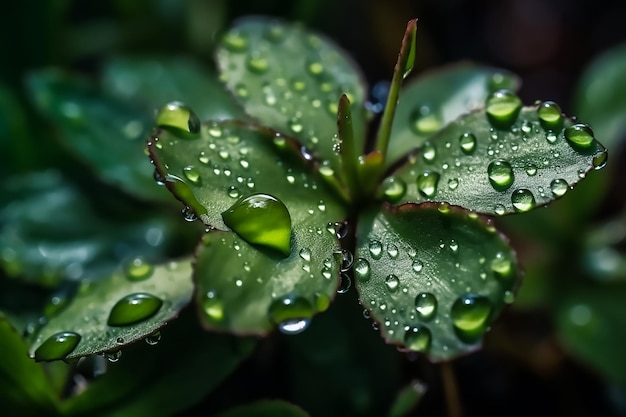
{"x":475,"y":165}
{"x":111,"y":313}
{"x":291,"y":80}
{"x":265,"y":408}
{"x":433,"y":276}
{"x":436,"y":98}
{"x":153,"y":82}
{"x":407,"y":399}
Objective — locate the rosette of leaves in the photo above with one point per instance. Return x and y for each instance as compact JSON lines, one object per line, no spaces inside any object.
{"x":298,"y":201}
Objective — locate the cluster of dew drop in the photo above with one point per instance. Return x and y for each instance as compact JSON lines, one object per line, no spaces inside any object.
{"x":129,"y":310}
{"x":504,"y":141}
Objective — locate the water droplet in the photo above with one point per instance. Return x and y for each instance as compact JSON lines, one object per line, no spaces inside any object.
{"x":579,"y":135}
{"x":531,"y":170}
{"x":376,"y":249}
{"x":502,"y":108}
{"x":427,"y":183}
{"x":235,"y":42}
{"x":346,"y":259}
{"x":192,"y":174}
{"x":344,"y":284}
{"x":417,"y":265}
{"x":425,"y":121}
{"x":322,"y":302}
{"x":392,"y":251}
{"x":426,"y":305}
{"x":523,"y":200}
{"x":467,"y":142}
{"x":153,"y":338}
{"x":213,"y":307}
{"x":57,"y":346}
{"x":113,"y":355}
{"x":470,"y":314}
{"x":233,"y":192}
{"x":134,"y":308}
{"x":257,"y":64}
{"x":394,"y":189}
{"x":315,"y":68}
{"x":362,"y":270}
{"x":559,"y":187}
{"x":392,"y":283}
{"x":429,"y":152}
{"x":418,"y":339}
{"x":600,"y":159}
{"x":305,"y":253}
{"x":261,"y":219}
{"x":178,"y":118}
{"x":550,"y":115}
{"x":292,"y":314}
{"x":499,"y":209}
{"x":188,"y":214}
{"x":502,"y":266}
{"x":203,"y":158}
{"x":509,"y":297}
{"x":454,"y":246}
{"x":500,"y":174}
{"x":138,"y":270}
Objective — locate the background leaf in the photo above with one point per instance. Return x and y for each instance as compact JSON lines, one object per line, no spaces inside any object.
{"x":265,"y":408}
{"x":434,"y":277}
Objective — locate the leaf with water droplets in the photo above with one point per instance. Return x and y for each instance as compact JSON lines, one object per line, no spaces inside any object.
{"x":23,"y":383}
{"x":108,"y":134}
{"x":70,"y":239}
{"x":153,"y":82}
{"x":113,"y":312}
{"x":265,"y":408}
{"x":436,"y":276}
{"x":437,"y":98}
{"x":291,"y":80}
{"x":476,"y":164}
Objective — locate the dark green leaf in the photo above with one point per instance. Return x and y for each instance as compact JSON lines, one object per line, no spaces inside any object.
{"x":154,"y":82}
{"x":474,"y":165}
{"x":433,"y":276}
{"x":24,"y":388}
{"x":600,"y":96}
{"x":72,"y":238}
{"x":436,"y":98}
{"x":109,"y":135}
{"x":265,"y":408}
{"x":164,"y":379}
{"x":89,"y":313}
{"x":590,"y":319}
{"x":16,"y":145}
{"x":291,"y":80}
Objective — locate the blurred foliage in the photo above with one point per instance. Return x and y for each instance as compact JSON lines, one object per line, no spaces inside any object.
{"x":562,"y":341}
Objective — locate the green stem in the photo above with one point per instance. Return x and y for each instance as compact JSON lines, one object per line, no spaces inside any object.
{"x":451,"y":390}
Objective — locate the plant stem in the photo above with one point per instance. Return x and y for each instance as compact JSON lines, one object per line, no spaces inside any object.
{"x":451,"y":390}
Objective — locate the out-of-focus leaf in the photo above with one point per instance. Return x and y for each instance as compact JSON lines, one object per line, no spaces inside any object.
{"x":24,"y":388}
{"x":107,"y":134}
{"x":16,"y":147}
{"x":407,"y":399}
{"x":164,"y":379}
{"x":111,"y":313}
{"x":266,"y":408}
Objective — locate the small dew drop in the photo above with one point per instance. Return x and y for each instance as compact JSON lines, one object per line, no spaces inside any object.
{"x":394,"y":189}
{"x":392,"y":283}
{"x":500,"y":174}
{"x":550,"y":115}
{"x":376,"y":249}
{"x":192,"y":174}
{"x":344,"y":284}
{"x":427,"y":183}
{"x":429,"y":153}
{"x":178,"y":118}
{"x":418,"y":339}
{"x":392,"y":251}
{"x":467,"y":141}
{"x":559,"y":187}
{"x":426,"y":305}
{"x":425,"y":121}
{"x":362,"y":271}
{"x":523,"y":200}
{"x":417,"y":265}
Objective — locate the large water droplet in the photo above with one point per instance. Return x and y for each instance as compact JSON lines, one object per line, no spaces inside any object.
{"x":418,"y":339}
{"x":426,"y":305}
{"x":235,"y":42}
{"x":261,"y":219}
{"x":394,"y":189}
{"x":550,"y":115}
{"x":425,"y":121}
{"x":559,"y":187}
{"x":470,"y":314}
{"x":345,"y":283}
{"x":376,"y":249}
{"x":500,"y":174}
{"x":305,"y":253}
{"x":429,"y":152}
{"x":579,"y":135}
{"x":192,"y":174}
{"x":417,"y":265}
{"x":138,"y":270}
{"x":57,"y":346}
{"x":291,"y":314}
{"x":523,"y":200}
{"x":392,"y":283}
{"x":427,"y":183}
{"x":600,"y":159}
{"x":467,"y":141}
{"x":257,"y":64}
{"x":362,"y":270}
{"x":502,"y":108}
{"x":502,"y":266}
{"x":178,"y":118}
{"x":392,"y":251}
{"x":213,"y":307}
{"x":134,"y":308}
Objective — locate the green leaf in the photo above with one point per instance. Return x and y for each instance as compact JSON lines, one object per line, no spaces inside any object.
{"x":15,"y":137}
{"x":436,"y":98}
{"x":433,"y":276}
{"x":265,"y":408}
{"x":107,"y":134}
{"x":72,"y":239}
{"x":600,"y":98}
{"x":291,"y":80}
{"x":164,"y":379}
{"x":24,"y":388}
{"x":589,"y":319}
{"x":474,"y":165}
{"x":111,"y":313}
{"x":153,"y":82}
{"x":407,"y":399}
